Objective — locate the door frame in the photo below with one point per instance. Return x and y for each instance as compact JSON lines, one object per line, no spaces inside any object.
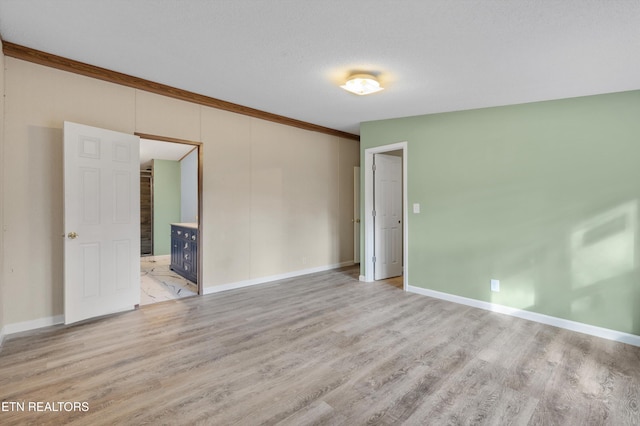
{"x":369,"y":231}
{"x":198,"y":146}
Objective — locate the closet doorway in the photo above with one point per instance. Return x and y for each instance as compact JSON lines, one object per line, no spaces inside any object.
{"x":170,"y":226}
{"x":374,"y":246}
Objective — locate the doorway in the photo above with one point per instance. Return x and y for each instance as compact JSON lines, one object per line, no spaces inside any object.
{"x":170,"y":206}
{"x":381,"y":237}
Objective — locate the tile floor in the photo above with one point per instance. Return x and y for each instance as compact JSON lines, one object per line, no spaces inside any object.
{"x":159,"y":283}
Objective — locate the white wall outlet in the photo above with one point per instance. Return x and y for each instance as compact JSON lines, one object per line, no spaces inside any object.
{"x":416,"y":207}
{"x":495,"y":285}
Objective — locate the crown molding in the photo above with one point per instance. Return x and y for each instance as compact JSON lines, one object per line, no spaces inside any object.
{"x":166,"y":139}
{"x":47,"y":59}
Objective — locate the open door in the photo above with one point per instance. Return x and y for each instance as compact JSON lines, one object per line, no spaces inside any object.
{"x":101,"y":222}
{"x":388,"y":216}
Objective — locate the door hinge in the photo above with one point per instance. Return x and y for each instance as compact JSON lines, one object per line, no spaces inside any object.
{"x":373,"y":213}
{"x":373,"y":167}
{"x":373,"y":259}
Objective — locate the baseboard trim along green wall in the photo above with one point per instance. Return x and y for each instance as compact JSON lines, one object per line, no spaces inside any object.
{"x":591,"y":330}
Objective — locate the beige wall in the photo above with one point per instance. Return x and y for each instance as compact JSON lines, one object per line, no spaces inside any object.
{"x":276,"y":199}
{"x":1,"y":192}
{"x":280,"y":192}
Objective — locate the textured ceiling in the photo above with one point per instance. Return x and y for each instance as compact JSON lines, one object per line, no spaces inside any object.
{"x":288,"y":57}
{"x":159,"y":150}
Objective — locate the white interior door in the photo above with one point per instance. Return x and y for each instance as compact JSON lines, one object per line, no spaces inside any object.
{"x":356,"y":215}
{"x":387,"y":187}
{"x":101,"y":222}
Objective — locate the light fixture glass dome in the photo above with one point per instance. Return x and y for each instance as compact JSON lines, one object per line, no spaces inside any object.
{"x":362,"y":84}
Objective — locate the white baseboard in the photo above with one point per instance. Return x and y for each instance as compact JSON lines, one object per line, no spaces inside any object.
{"x":362,"y":278}
{"x":59,"y":319}
{"x":33,"y":324}
{"x":263,"y":280}
{"x":592,"y":330}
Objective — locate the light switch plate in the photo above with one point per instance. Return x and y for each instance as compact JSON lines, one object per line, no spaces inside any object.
{"x":416,"y":207}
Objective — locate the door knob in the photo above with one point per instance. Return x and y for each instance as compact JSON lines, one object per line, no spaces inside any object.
{"x":72,"y":235}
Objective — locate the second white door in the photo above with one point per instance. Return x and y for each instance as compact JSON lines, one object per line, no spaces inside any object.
{"x":387,"y":185}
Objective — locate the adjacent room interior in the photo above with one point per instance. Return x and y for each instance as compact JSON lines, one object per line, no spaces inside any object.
{"x":168,"y":199}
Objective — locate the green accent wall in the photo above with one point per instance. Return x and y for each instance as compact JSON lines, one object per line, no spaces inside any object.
{"x":542,"y":196}
{"x":166,"y":203}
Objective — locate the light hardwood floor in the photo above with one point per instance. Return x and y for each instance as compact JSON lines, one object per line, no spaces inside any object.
{"x":321,"y":349}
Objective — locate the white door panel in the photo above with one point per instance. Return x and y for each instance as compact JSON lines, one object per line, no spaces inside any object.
{"x":388,"y":219}
{"x":356,"y":215}
{"x":101,"y":222}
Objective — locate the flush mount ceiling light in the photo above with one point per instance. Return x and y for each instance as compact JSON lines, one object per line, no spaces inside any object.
{"x":362,"y":84}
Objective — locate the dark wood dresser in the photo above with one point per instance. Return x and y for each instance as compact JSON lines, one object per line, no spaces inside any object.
{"x":184,"y":250}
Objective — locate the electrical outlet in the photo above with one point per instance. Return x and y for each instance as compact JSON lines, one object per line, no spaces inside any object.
{"x":495,"y":285}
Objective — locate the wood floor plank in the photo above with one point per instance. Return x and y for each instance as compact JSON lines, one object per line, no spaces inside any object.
{"x":320,"y":349}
